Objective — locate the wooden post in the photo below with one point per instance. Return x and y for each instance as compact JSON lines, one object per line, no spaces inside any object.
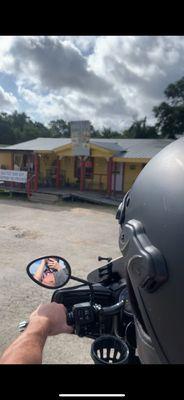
{"x":36,"y":172}
{"x":114,"y":186}
{"x":12,"y":161}
{"x":82,"y":174}
{"x":28,"y":187}
{"x":58,"y":164}
{"x":12,"y":184}
{"x":109,"y":175}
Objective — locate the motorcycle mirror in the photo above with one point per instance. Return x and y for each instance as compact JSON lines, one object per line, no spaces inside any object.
{"x":51,"y":272}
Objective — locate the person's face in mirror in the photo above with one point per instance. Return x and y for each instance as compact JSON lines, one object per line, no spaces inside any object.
{"x":50,"y":271}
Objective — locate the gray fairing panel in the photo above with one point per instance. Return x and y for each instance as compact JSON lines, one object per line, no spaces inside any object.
{"x":145,"y":349}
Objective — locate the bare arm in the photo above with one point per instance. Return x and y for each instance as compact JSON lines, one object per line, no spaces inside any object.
{"x":39,"y":271}
{"x":47,"y":320}
{"x":28,"y":347}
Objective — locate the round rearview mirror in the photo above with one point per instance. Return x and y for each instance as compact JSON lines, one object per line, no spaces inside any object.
{"x":51,"y":272}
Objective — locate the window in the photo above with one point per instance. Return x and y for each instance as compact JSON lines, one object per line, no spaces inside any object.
{"x":89,"y":168}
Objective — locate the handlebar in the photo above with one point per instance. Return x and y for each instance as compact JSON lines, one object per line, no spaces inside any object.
{"x":112,"y":310}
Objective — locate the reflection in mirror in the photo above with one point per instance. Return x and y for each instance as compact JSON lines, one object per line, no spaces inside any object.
{"x":50,"y":271}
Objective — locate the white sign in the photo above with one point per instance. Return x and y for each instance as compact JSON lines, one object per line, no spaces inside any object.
{"x":13,"y":176}
{"x":80,"y":136}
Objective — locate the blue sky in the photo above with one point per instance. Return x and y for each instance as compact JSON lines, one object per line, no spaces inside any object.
{"x":110,"y":80}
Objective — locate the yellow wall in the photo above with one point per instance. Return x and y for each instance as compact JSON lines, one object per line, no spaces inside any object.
{"x":130,"y":174}
{"x":65,"y":151}
{"x":100,"y":167}
{"x":68,"y":170}
{"x":68,"y":166}
{"x":131,"y":160}
{"x":45,"y":162}
{"x":5,"y":159}
{"x":96,"y":152}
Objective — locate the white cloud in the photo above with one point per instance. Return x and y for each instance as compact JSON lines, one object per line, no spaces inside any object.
{"x":8,"y":102}
{"x":49,"y":64}
{"x":6,"y":59}
{"x":108,"y":79}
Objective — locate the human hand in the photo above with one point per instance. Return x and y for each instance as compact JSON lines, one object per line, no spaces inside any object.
{"x":53,"y":318}
{"x":52,"y":263}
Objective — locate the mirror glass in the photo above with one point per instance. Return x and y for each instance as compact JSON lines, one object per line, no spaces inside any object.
{"x":51,"y":271}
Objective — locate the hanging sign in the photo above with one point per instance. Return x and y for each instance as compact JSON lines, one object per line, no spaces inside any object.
{"x":80,"y":136}
{"x":13,"y":176}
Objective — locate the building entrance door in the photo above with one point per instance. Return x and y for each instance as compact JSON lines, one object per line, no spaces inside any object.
{"x":117,"y":177}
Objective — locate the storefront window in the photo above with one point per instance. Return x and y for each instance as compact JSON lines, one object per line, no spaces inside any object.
{"x":89,"y":168}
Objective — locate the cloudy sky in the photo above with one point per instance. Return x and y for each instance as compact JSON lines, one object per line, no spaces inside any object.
{"x":109,"y":80}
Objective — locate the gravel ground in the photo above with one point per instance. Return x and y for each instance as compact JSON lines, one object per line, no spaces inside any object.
{"x":77,"y":231}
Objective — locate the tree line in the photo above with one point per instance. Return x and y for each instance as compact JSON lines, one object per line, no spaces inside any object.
{"x":169,"y":114}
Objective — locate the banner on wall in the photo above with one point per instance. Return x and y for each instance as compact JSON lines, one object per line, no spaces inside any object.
{"x":80,"y":137}
{"x":13,"y":176}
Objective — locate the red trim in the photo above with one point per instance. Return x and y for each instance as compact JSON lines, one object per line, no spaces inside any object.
{"x":123,"y":178}
{"x":12,"y":161}
{"x":75,"y":168}
{"x":58,"y":175}
{"x":114,"y":186}
{"x":12,"y":168}
{"x":82,"y":174}
{"x":109,"y":175}
{"x":36,"y":172}
{"x":28,"y":187}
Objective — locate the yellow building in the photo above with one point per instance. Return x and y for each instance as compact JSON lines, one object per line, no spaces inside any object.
{"x":112,"y":165}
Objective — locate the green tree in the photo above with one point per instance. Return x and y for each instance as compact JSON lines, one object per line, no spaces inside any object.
{"x":59,"y":128}
{"x":108,"y":133}
{"x":139,"y":130}
{"x":6,"y":131}
{"x":175,"y":93}
{"x":170,"y":113}
{"x":93,"y":132}
{"x":16,"y":128}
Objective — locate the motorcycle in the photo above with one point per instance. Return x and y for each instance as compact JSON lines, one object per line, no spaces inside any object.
{"x":97,"y":308}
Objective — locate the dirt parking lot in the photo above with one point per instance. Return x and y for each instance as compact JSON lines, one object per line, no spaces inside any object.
{"x":79,"y":232}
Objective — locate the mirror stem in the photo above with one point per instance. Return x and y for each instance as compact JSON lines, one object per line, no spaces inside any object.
{"x":92,"y":299}
{"x":79,"y":279}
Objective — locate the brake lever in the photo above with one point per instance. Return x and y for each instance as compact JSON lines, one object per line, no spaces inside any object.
{"x":109,"y":259}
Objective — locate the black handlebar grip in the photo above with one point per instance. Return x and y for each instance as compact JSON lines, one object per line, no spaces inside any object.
{"x":70,"y":318}
{"x":112,"y":310}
